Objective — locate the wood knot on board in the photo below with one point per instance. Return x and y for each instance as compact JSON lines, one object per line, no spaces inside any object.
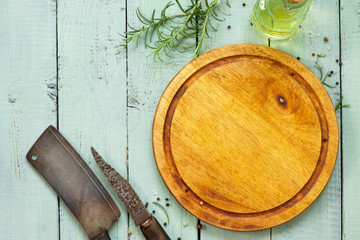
{"x":281,"y":100}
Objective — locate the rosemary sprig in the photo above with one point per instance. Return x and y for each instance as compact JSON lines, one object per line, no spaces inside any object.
{"x":339,"y":104}
{"x":194,"y":21}
{"x":167,"y":216}
{"x":322,"y":78}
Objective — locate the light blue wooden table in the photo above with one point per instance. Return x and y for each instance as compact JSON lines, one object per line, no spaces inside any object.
{"x":62,"y":63}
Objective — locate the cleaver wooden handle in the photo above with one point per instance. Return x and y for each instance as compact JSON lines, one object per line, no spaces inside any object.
{"x":152,"y":230}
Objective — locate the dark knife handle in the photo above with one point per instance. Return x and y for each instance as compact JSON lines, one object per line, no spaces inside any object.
{"x":152,"y":230}
{"x":103,"y":236}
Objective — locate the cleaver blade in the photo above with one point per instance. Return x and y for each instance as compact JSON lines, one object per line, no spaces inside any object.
{"x":75,"y":183}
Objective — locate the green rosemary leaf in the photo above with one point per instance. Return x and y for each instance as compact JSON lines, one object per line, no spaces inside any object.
{"x":339,"y":104}
{"x":228,"y":3}
{"x":181,"y":8}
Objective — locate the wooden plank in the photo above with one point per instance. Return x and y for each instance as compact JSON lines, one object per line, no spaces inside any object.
{"x":234,"y":30}
{"x":28,"y":207}
{"x":92,"y":92}
{"x":146,"y":81}
{"x":350,"y":49}
{"x":322,"y":21}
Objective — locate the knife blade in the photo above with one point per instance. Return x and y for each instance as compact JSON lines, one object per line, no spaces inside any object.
{"x":150,"y":227}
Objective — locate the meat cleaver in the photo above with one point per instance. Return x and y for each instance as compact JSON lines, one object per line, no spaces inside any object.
{"x":74,"y":182}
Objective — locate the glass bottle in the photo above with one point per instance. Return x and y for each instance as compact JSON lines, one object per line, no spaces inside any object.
{"x":279,"y":19}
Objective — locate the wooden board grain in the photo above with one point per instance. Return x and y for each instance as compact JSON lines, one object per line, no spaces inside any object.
{"x":28,"y":207}
{"x":92,"y":93}
{"x":326,"y":211}
{"x":146,"y":81}
{"x":350,"y":49}
{"x":249,"y":133}
{"x":234,"y":30}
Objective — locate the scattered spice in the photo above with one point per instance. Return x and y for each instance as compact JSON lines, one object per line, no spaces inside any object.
{"x":179,"y":238}
{"x":153,"y":211}
{"x":337,"y":60}
{"x":313,"y":54}
{"x":166,"y":199}
{"x":326,"y":39}
{"x":298,"y":58}
{"x":229,"y":27}
{"x":158,"y":199}
{"x":337,"y":83}
{"x":324,"y":139}
{"x":329,"y":75}
{"x":244,"y":4}
{"x":129,"y":233}
{"x":165,"y":224}
{"x":292,"y":74}
{"x":201,"y":203}
{"x":146,"y":204}
{"x":340,"y":63}
{"x":186,"y":190}
{"x":251,"y":23}
{"x":167,"y":204}
{"x":199,"y":226}
{"x":331,"y":72}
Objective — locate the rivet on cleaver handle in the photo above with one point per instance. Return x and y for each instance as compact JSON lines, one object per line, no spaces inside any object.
{"x":74,"y":182}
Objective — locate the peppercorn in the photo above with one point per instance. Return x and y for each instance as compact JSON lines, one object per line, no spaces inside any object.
{"x":324,"y":139}
{"x":337,"y":60}
{"x":146,"y":204}
{"x":158,"y":199}
{"x":165,"y":224}
{"x":313,"y":54}
{"x":199,"y":226}
{"x":167,"y":204}
{"x":153,"y":211}
{"x":229,"y":26}
{"x":244,"y":4}
{"x":251,"y":23}
{"x":326,"y":39}
{"x":329,"y":75}
{"x":332,"y":72}
{"x":292,"y":74}
{"x":337,"y":83}
{"x":179,"y":238}
{"x":166,"y":199}
{"x":298,"y":58}
{"x":186,"y":190}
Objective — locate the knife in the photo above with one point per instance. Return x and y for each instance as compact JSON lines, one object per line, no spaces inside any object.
{"x":74,"y":182}
{"x":150,"y":227}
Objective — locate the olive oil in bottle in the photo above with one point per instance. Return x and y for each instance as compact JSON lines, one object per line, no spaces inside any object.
{"x":279,"y":19}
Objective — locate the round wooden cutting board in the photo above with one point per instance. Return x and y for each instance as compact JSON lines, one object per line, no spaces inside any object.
{"x":245,"y":137}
